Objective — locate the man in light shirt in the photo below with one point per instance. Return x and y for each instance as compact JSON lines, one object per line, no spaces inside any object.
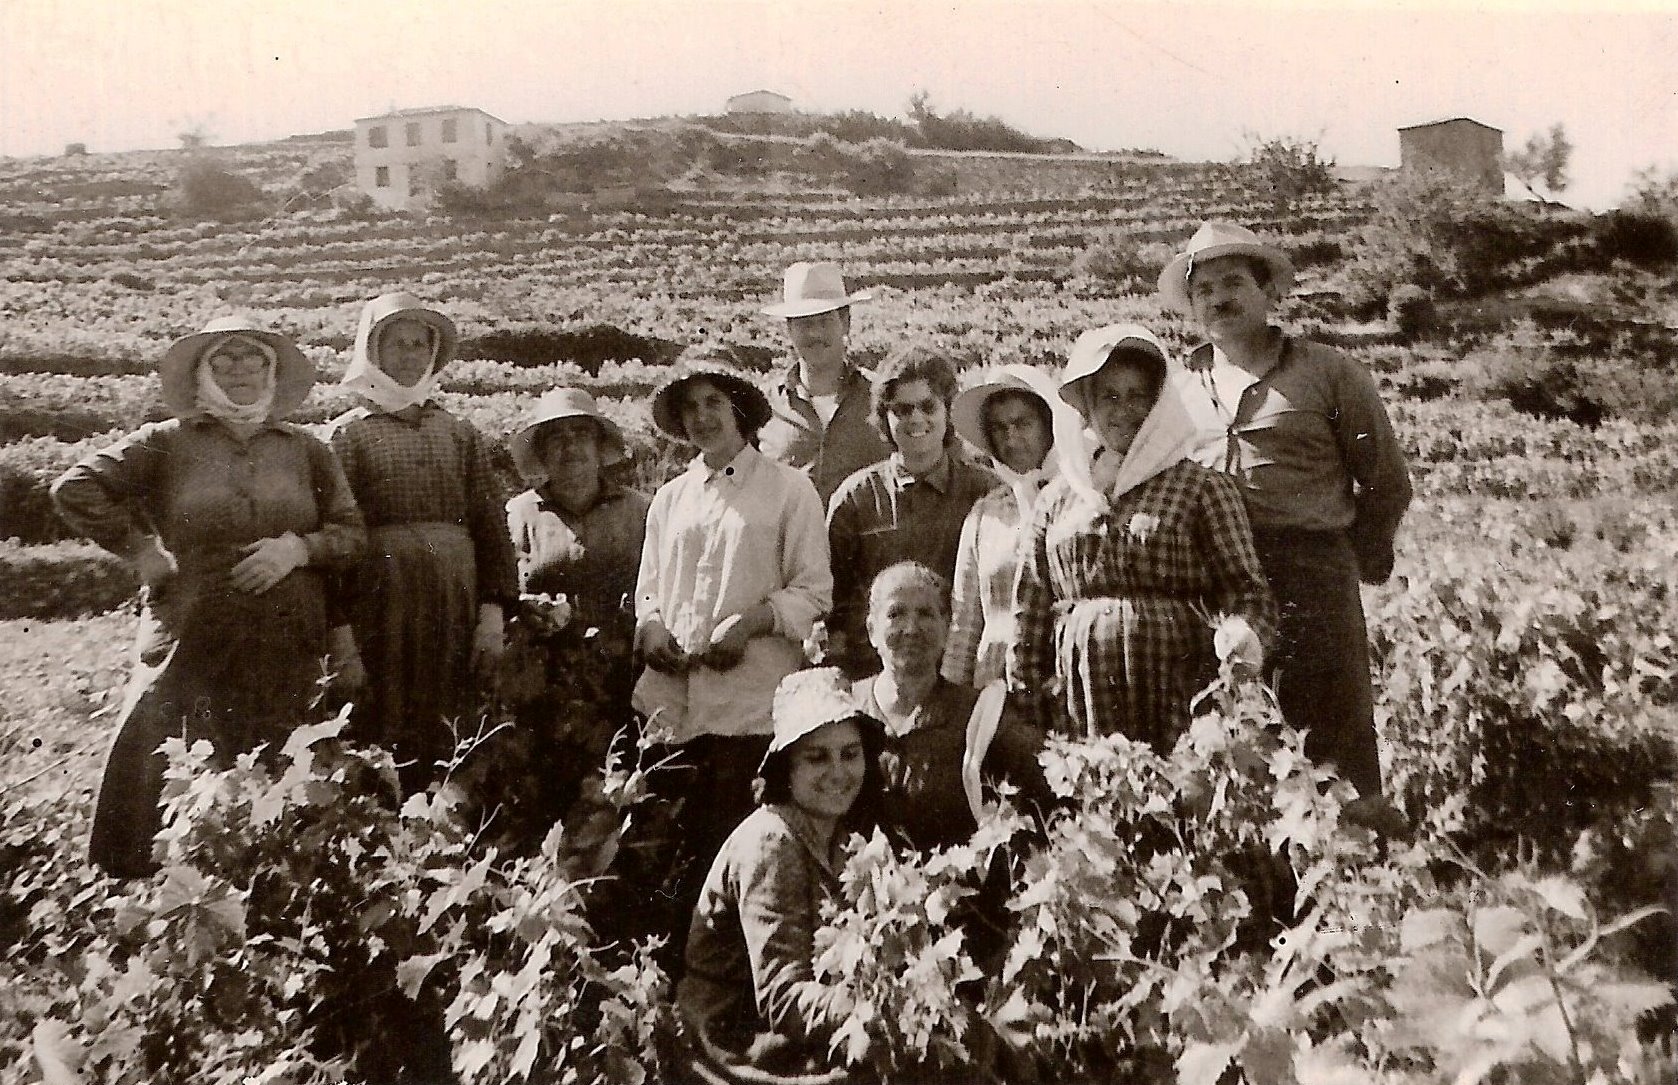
{"x":820,"y":420}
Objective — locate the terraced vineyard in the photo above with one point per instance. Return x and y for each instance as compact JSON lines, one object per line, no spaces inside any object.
{"x":1529,"y":671}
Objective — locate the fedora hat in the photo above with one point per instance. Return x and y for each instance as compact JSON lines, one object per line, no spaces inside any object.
{"x":805,"y":702}
{"x":749,"y":401}
{"x":553,"y":406}
{"x":405,"y":306}
{"x":812,"y":288}
{"x":1092,"y":349}
{"x":967,"y":412}
{"x":1212,"y":240}
{"x":294,"y":373}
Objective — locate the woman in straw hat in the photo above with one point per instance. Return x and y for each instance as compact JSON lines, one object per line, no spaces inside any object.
{"x":427,"y":601}
{"x":1010,"y":418}
{"x":1133,"y":553}
{"x":748,"y":992}
{"x":734,"y":572}
{"x":1303,"y":430}
{"x":230,"y":516}
{"x":576,"y":532}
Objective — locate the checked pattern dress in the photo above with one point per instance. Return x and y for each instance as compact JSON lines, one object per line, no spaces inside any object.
{"x":1115,"y":608}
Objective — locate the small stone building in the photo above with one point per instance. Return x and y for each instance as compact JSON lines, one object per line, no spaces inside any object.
{"x":1460,"y":145}
{"x":760,"y":101}
{"x":401,"y":157}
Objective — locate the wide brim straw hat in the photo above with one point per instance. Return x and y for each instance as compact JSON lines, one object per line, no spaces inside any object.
{"x":405,"y":306}
{"x":814,"y":287}
{"x":808,"y":700}
{"x":1212,"y":240}
{"x":1092,"y":349}
{"x":749,"y":401}
{"x":555,"y":405}
{"x":294,"y":373}
{"x":967,"y":412}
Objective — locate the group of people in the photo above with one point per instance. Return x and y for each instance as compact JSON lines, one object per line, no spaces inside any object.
{"x":1125,"y":530}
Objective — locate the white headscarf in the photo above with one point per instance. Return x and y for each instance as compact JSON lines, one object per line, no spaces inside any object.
{"x":380,"y":389}
{"x":213,"y":400}
{"x":1165,"y":438}
{"x":1028,"y":484}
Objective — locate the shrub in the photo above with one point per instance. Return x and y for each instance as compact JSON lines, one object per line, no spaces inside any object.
{"x":205,"y":189}
{"x":587,"y":347}
{"x":1533,"y":380}
{"x":1117,"y":260}
{"x":62,"y":580}
{"x":1643,"y":238}
{"x":1412,"y":310}
{"x":1444,"y":234}
{"x":879,"y":168}
{"x":1287,"y":169}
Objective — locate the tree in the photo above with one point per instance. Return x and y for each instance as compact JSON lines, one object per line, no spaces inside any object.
{"x":1544,"y":158}
{"x":1288,"y":168}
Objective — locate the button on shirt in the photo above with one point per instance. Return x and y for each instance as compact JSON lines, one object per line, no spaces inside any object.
{"x":883,"y":515}
{"x":1309,"y":442}
{"x":719,"y":542}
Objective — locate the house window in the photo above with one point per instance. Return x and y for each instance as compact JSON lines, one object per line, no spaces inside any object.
{"x":413,"y":134}
{"x":451,"y":169}
{"x":381,"y":176}
{"x":449,"y":133}
{"x":489,"y":132}
{"x":376,"y":136}
{"x":413,"y":182}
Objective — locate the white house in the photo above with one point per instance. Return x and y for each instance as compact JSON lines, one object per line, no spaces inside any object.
{"x":401,"y":157}
{"x":760,"y":101}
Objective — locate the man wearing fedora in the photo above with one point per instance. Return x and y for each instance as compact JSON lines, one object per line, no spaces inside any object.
{"x":820,"y":422}
{"x":1303,"y":430}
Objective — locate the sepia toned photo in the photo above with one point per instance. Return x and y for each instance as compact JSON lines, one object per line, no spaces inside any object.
{"x":737,"y":542}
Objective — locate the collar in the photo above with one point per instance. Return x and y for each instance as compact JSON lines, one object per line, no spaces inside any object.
{"x":1200,"y":359}
{"x":734,"y":470}
{"x":609,"y":492}
{"x":938,"y":478}
{"x":855,"y":376}
{"x":202,"y":420}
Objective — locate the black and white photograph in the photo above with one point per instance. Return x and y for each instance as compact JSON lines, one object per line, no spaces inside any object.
{"x":800,"y":542}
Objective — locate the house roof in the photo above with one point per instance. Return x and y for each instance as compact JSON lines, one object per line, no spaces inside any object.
{"x":749,"y":93}
{"x":428,"y":110}
{"x":1450,"y":120}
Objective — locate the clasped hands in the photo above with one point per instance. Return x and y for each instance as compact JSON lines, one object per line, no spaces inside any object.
{"x":727,"y":645}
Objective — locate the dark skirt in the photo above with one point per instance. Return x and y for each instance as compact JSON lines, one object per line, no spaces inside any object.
{"x":210,"y":663}
{"x":414,"y":613}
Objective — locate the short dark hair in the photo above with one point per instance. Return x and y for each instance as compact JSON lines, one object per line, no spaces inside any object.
{"x":749,"y":432}
{"x":1017,"y":395}
{"x":774,"y":780}
{"x":915,"y":362}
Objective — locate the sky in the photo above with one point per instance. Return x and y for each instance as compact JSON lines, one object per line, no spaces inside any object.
{"x":1197,"y":80}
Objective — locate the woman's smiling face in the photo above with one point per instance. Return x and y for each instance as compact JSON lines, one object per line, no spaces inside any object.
{"x":825,"y":770}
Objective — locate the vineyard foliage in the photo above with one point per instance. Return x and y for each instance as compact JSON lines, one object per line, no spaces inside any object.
{"x":1216,"y":914}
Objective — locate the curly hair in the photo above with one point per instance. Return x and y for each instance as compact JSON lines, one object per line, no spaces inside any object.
{"x":906,"y":365}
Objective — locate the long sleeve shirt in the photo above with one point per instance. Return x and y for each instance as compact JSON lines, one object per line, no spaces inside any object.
{"x":1309,"y":443}
{"x":982,"y":593}
{"x":593,"y":556}
{"x":829,"y":453}
{"x":205,"y":494}
{"x":720,"y":542}
{"x":425,"y":465}
{"x":750,"y":958}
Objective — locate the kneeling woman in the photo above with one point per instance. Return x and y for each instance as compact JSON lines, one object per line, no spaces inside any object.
{"x":749,"y":992}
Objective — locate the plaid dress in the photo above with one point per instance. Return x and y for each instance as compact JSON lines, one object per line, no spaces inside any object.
{"x":440,"y":546}
{"x":1115,"y":608}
